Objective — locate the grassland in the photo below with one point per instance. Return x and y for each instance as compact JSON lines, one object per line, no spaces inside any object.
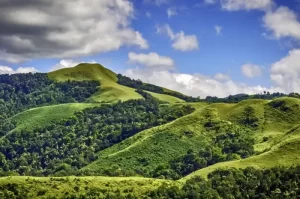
{"x":40,"y":117}
{"x":46,"y":187}
{"x":166,"y":98}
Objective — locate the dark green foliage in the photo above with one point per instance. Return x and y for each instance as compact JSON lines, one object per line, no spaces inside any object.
{"x":138,"y":84}
{"x":229,"y":143}
{"x":19,"y":92}
{"x":70,"y":144}
{"x":233,"y":183}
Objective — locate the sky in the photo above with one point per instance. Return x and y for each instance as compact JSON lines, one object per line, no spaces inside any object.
{"x":198,"y":47}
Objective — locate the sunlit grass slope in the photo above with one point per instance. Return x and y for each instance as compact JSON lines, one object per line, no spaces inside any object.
{"x":110,"y":90}
{"x":166,"y":98}
{"x":46,"y":187}
{"x":39,"y":117}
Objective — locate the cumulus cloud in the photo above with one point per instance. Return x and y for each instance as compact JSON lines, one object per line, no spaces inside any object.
{"x":9,"y":70}
{"x":251,"y":70}
{"x":195,"y":84}
{"x":180,"y":41}
{"x":151,"y":60}
{"x":286,"y":72}
{"x":218,"y":30}
{"x":42,"y":28}
{"x":282,"y":22}
{"x":221,"y":77}
{"x":234,"y":5}
{"x":171,"y":12}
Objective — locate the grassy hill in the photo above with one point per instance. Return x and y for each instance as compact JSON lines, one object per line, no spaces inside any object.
{"x":111,"y":91}
{"x":273,"y":138}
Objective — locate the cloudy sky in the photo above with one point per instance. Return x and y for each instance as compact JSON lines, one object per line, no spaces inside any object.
{"x":198,"y":47}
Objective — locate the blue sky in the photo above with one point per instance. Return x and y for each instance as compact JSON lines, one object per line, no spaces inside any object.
{"x":198,"y":47}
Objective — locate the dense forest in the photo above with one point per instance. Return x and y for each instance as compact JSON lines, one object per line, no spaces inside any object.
{"x":228,"y":143}
{"x":19,"y":92}
{"x":63,"y":147}
{"x":234,"y":183}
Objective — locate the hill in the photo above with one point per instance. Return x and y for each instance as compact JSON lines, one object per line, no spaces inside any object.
{"x":111,"y":91}
{"x":81,"y":121}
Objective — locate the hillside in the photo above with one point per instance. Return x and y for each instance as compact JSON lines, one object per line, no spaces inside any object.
{"x":111,"y":91}
{"x":82,"y":122}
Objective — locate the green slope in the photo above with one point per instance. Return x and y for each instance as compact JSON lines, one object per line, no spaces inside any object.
{"x":46,"y":187}
{"x":156,"y":145}
{"x":110,"y":90}
{"x":161,"y":144}
{"x":40,"y":117}
{"x":166,"y":98}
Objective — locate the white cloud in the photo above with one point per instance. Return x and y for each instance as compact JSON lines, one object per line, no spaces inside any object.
{"x":218,"y":30}
{"x":65,"y":29}
{"x":181,"y":41}
{"x":210,"y":1}
{"x":234,"y":5}
{"x":171,"y":12}
{"x":67,"y":63}
{"x":283,"y":23}
{"x":9,"y":70}
{"x":151,"y":60}
{"x":286,"y":72}
{"x":195,"y":84}
{"x":251,"y":70}
{"x":221,"y":77}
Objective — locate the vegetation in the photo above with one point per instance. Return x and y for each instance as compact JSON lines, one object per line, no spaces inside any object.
{"x":19,"y":92}
{"x":62,"y":147}
{"x":230,"y":183}
{"x":233,"y":183}
{"x":111,"y":91}
{"x":138,"y":84}
{"x":65,"y":124}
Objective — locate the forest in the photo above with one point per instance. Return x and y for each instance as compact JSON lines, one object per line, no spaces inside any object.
{"x":19,"y":92}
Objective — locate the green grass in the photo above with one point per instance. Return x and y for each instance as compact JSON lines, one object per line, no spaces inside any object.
{"x":39,"y":117}
{"x":46,"y":187}
{"x":111,"y":91}
{"x":166,"y":98}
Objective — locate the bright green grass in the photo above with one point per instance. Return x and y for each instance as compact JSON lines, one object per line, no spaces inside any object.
{"x":166,"y":98}
{"x":157,"y":145}
{"x":39,"y":117}
{"x":45,"y":187}
{"x":111,"y":91}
